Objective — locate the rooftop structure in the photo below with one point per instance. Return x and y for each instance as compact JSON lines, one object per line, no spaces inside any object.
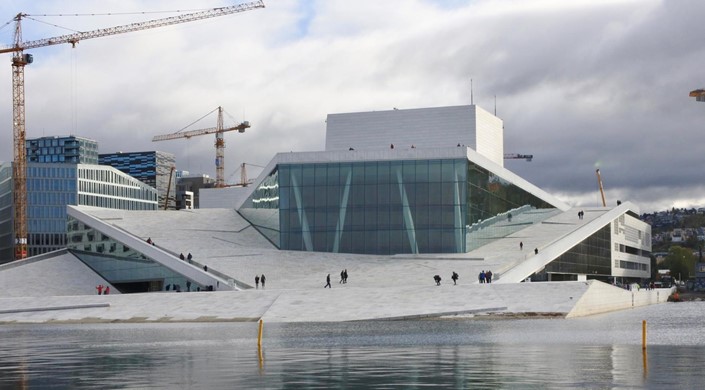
{"x":69,"y":149}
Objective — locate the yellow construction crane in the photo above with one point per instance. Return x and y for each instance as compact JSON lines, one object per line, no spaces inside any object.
{"x":219,"y":142}
{"x":20,"y":60}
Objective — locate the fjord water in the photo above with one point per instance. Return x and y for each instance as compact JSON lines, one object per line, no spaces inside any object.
{"x":602,"y":351}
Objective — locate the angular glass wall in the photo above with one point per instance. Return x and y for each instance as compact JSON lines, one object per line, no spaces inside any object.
{"x":380,"y":207}
{"x":124,"y":267}
{"x":497,"y":208}
{"x":590,"y":257}
{"x":262,"y":208}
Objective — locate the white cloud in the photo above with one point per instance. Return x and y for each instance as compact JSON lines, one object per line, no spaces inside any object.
{"x":577,"y":82}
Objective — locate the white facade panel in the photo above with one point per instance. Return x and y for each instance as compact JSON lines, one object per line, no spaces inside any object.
{"x":222,"y":198}
{"x":630,"y":232}
{"x":490,"y":136}
{"x":439,"y":127}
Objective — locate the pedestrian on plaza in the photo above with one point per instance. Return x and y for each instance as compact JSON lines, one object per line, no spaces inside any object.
{"x":482,"y":276}
{"x":536,"y":251}
{"x":488,"y":276}
{"x":454,"y":277}
{"x":188,"y":286}
{"x":256,"y":281}
{"x":100,"y":289}
{"x":205,"y":268}
{"x":107,"y":290}
{"x":327,"y":282}
{"x":521,"y":245}
{"x":149,"y":240}
{"x":181,"y":256}
{"x":345,"y":276}
{"x":342,"y":276}
{"x":261,"y":279}
{"x":437,"y":278}
{"x":189,"y":257}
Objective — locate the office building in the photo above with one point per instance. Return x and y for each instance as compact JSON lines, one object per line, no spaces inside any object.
{"x":69,"y":149}
{"x":154,"y":168}
{"x":53,"y":186}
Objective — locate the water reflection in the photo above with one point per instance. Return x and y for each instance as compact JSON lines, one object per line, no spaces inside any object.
{"x":600,"y":351}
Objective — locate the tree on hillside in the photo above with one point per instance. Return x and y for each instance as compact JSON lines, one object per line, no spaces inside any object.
{"x":680,"y":261}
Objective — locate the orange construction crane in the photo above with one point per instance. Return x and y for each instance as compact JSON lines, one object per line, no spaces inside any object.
{"x":602,"y":191}
{"x":20,"y":60}
{"x":219,"y":142}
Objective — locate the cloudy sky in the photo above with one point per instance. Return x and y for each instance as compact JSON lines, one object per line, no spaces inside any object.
{"x":579,"y":84}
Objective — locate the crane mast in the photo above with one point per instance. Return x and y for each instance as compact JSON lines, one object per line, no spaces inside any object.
{"x":20,"y":60}
{"x":219,"y":142}
{"x":602,"y":191}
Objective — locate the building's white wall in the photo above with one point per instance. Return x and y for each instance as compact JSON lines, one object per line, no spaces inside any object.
{"x":490,"y":136}
{"x":222,"y":198}
{"x":630,"y":231}
{"x":603,"y":298}
{"x":438,"y":127}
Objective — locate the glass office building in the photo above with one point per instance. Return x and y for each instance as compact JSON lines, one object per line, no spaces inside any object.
{"x":70,"y":149}
{"x":50,"y":187}
{"x":153,"y":168}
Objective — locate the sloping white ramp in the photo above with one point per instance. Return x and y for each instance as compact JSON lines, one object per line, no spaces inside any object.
{"x":561,"y":245}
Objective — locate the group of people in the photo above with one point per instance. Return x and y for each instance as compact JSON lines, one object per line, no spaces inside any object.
{"x":259,"y":279}
{"x":343,"y":278}
{"x":102,"y":290}
{"x":454,"y":276}
{"x":581,"y":214}
{"x":189,"y":257}
{"x":485,"y":277}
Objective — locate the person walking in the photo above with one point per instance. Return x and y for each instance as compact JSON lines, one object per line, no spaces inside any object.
{"x":454,"y":277}
{"x":261,"y":279}
{"x":521,"y":245}
{"x":482,"y":276}
{"x":107,"y":290}
{"x":342,"y":276}
{"x":437,"y":278}
{"x":488,"y":276}
{"x":189,"y":257}
{"x":327,"y":282}
{"x":536,"y":251}
{"x":345,"y":276}
{"x":256,"y":281}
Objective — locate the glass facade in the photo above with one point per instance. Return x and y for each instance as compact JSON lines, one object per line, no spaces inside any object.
{"x":6,"y":214}
{"x":387,"y":207}
{"x":591,"y":257}
{"x":125,"y":268}
{"x":71,"y":149}
{"x":51,"y":187}
{"x":152,"y":168}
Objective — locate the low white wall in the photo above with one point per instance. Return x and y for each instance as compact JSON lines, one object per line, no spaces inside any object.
{"x":602,"y":298}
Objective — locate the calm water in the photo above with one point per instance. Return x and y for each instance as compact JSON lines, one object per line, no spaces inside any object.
{"x":597,"y":352}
